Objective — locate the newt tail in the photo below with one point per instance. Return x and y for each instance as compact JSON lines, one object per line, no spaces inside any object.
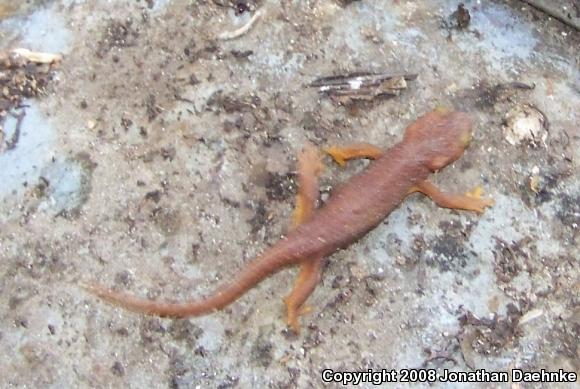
{"x":272,"y":261}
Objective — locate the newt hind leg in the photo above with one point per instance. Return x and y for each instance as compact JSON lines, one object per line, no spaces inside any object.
{"x":308,"y":277}
{"x":309,"y":167}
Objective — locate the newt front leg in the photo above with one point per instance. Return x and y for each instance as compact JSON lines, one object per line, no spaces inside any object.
{"x":470,"y":201}
{"x":355,"y":151}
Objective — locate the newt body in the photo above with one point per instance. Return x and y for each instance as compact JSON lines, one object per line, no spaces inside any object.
{"x":430,"y":143}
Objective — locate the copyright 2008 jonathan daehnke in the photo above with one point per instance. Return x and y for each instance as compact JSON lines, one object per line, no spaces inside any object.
{"x":377,"y":377}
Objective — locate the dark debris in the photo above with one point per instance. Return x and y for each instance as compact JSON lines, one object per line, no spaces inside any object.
{"x":263,"y":349}
{"x":19,"y":79}
{"x":280,"y":187}
{"x":491,"y":336}
{"x":449,"y":252}
{"x":117,"y":34}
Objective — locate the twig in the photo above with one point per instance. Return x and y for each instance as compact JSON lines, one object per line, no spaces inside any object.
{"x":342,"y":81}
{"x":37,"y":57}
{"x":11,"y":144}
{"x":178,"y":97}
{"x":345,"y":89}
{"x":516,"y":85}
{"x":553,"y":12}
{"x":227,"y":35}
{"x":442,"y":355}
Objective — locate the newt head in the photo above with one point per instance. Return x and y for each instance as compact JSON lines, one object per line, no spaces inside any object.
{"x":440,"y":137}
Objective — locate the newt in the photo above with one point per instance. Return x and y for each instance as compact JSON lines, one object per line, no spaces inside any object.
{"x":432,"y":142}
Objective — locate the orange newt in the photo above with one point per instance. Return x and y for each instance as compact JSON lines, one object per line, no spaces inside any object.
{"x":433,"y":141}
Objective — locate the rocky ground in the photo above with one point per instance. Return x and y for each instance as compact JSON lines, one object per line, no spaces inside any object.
{"x":158,"y":158}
